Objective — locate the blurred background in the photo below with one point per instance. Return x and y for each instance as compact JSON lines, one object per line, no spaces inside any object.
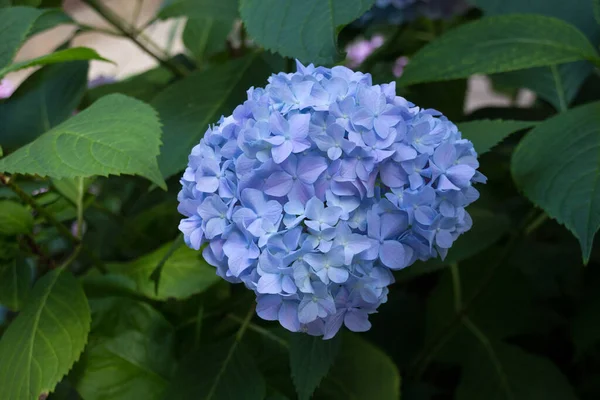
{"x":129,"y":59}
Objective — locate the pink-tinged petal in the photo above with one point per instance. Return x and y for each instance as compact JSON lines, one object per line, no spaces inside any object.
{"x":460,"y":175}
{"x":333,"y":324}
{"x":282,"y":152}
{"x":444,"y":239}
{"x":338,"y":275}
{"x":299,"y":124}
{"x":288,"y":316}
{"x":445,"y":184}
{"x":310,"y":168}
{"x":392,"y":254}
{"x":207,"y":184}
{"x":444,"y":156}
{"x":278,"y":184}
{"x":393,"y":175}
{"x":357,"y":321}
{"x":269,"y":284}
{"x":268,"y":307}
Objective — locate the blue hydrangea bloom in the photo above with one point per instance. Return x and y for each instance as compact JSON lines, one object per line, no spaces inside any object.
{"x":399,"y":11}
{"x":319,"y":186}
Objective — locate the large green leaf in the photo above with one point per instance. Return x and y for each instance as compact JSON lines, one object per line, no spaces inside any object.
{"x":306,"y":30}
{"x":226,"y":372}
{"x":14,"y":218}
{"x":130,"y":352}
{"x":15,"y":283}
{"x":183,"y":274}
{"x":556,"y":84}
{"x":224,"y":9}
{"x":16,"y":24}
{"x":144,"y":86}
{"x":49,"y":19}
{"x":47,"y":337}
{"x":361,"y":371}
{"x":310,"y":359}
{"x":47,"y":98}
{"x":485,"y":134}
{"x":189,"y":106}
{"x":557,"y":165}
{"x":72,"y":54}
{"x":499,"y":372}
{"x":204,"y":36}
{"x":116,"y":135}
{"x":504,"y":43}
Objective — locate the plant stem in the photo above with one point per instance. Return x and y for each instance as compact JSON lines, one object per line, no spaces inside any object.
{"x":260,"y":330}
{"x":128,"y":32}
{"x":63,"y":230}
{"x":79,"y":205}
{"x":238,"y":338}
{"x":424,"y":358}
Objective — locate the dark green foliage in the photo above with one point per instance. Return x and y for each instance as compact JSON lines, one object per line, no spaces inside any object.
{"x":100,"y":298}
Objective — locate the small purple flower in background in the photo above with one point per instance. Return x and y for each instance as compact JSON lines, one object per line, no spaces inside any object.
{"x":399,"y":65}
{"x":6,"y":89}
{"x":359,"y":50}
{"x":101,"y":80}
{"x":317,"y":187}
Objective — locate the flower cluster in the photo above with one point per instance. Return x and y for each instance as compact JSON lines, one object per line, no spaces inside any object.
{"x":317,"y":187}
{"x":399,"y":11}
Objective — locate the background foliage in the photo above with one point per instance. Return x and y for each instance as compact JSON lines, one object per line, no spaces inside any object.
{"x":102,"y":301}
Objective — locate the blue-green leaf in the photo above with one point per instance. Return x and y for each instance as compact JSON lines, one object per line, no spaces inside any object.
{"x":557,"y":165}
{"x":47,"y":337}
{"x":116,"y":135}
{"x":15,"y":219}
{"x":47,"y":98}
{"x":485,"y":134}
{"x":15,"y":282}
{"x":311,"y":358}
{"x":306,"y":30}
{"x":504,"y":43}
{"x":72,"y":54}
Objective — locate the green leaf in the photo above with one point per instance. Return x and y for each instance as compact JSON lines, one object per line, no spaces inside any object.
{"x":511,"y":373}
{"x":30,"y":3}
{"x":69,"y":188}
{"x":16,"y":24}
{"x":205,"y":36}
{"x":361,"y":371}
{"x":488,"y":228}
{"x":596,"y":4}
{"x":557,"y":84}
{"x":50,"y":19}
{"x":130,"y":352}
{"x":485,"y":133}
{"x":116,"y":135}
{"x":188,"y":107}
{"x":222,"y":375}
{"x":15,"y":283}
{"x":183,"y":274}
{"x":310,"y":359}
{"x":72,"y":54}
{"x":306,"y":30}
{"x":47,"y":337}
{"x":47,"y":98}
{"x":144,"y":86}
{"x":224,"y":9}
{"x":504,"y":43}
{"x":15,"y":219}
{"x":557,"y":166}
{"x":128,"y":366}
{"x":585,"y":327}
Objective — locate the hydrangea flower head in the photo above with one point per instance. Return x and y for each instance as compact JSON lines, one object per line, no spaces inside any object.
{"x":320,"y":185}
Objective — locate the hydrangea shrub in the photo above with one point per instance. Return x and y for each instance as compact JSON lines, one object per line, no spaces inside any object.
{"x":320,"y":185}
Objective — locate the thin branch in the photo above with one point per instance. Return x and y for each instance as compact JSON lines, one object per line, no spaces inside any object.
{"x":63,"y":230}
{"x":260,"y":330}
{"x":130,"y":33}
